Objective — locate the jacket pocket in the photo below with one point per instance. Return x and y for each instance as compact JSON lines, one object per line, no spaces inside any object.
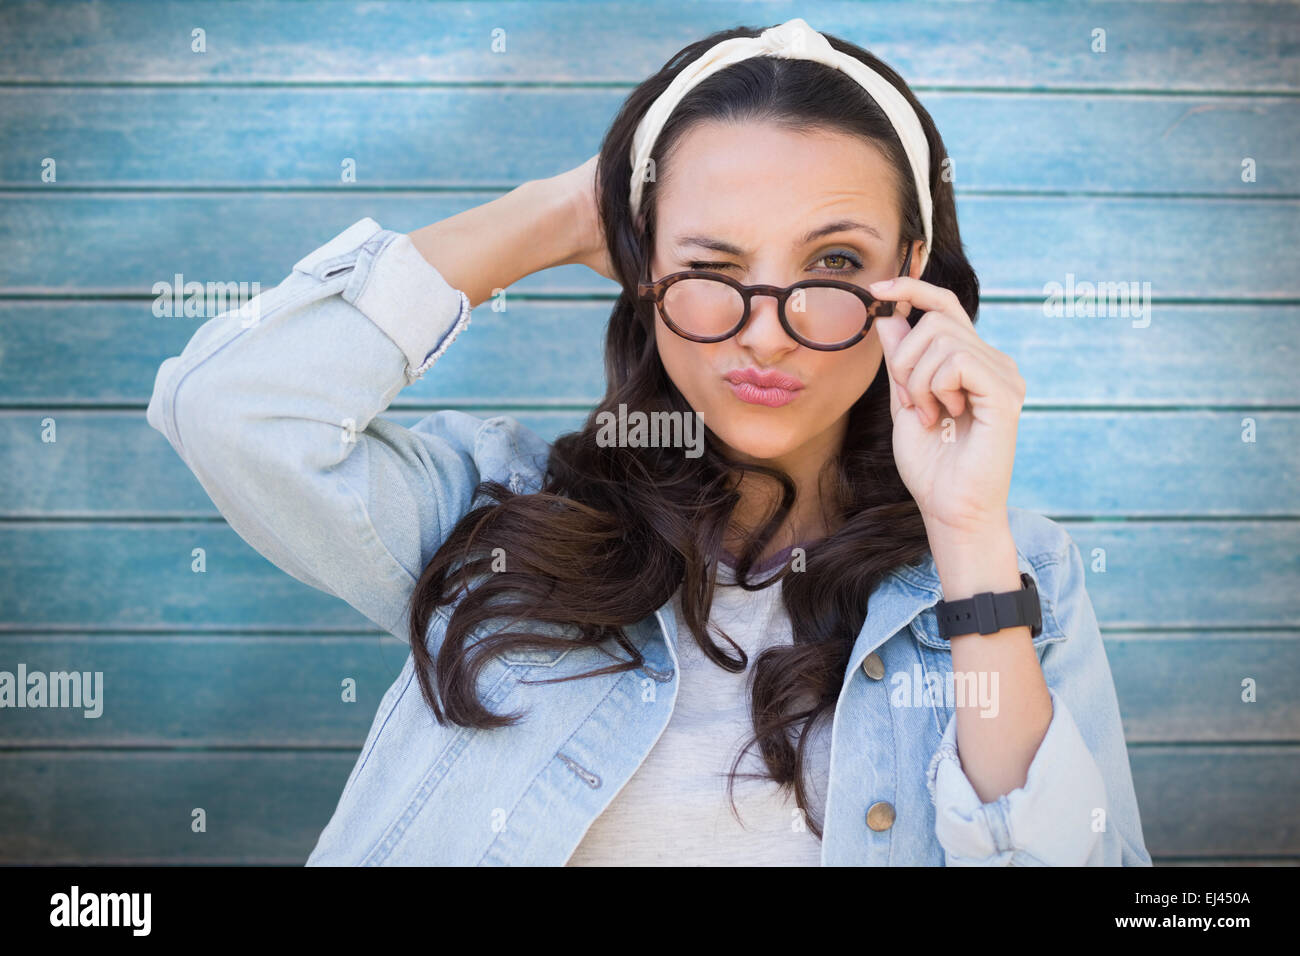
{"x":535,"y":657}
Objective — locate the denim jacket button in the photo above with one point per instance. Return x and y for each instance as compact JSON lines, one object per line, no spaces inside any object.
{"x":873,"y":666}
{"x":880,"y":816}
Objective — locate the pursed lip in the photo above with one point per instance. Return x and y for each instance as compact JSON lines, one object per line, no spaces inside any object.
{"x":763,"y":387}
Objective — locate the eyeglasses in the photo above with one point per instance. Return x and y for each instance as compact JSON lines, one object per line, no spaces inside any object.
{"x":823,"y":314}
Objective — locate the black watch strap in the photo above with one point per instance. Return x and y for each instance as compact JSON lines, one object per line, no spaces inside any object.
{"x":988,"y":612}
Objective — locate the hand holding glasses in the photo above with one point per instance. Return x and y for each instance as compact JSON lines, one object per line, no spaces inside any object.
{"x":822,"y":314}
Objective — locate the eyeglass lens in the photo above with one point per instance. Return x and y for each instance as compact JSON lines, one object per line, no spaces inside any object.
{"x":708,"y":308}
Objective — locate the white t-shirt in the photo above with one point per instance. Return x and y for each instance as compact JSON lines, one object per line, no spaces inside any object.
{"x":674,"y":810}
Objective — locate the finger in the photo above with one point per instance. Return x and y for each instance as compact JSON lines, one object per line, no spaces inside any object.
{"x":937,"y":327}
{"x":908,"y":352}
{"x":966,"y":372}
{"x":920,"y":295}
{"x":930,"y":405}
{"x":946,"y":384}
{"x":897,"y":398}
{"x":891,"y":330}
{"x":933,"y":328}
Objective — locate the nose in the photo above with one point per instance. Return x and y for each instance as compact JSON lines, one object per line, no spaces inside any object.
{"x":763,"y":336}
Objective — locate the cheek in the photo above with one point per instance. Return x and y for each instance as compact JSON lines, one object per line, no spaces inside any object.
{"x":855,"y":369}
{"x":837,"y":380}
{"x":690,"y":365}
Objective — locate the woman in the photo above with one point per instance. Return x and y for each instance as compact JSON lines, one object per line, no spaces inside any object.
{"x":850,"y":492}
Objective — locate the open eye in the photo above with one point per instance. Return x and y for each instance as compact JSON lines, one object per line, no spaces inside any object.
{"x":851,"y":263}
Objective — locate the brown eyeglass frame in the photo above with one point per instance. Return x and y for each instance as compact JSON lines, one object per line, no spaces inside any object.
{"x":875,"y":307}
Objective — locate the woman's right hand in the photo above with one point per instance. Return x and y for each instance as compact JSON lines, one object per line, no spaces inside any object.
{"x":578,"y":187}
{"x":539,"y":224}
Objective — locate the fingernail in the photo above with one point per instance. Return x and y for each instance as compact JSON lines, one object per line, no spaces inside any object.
{"x":881,"y":284}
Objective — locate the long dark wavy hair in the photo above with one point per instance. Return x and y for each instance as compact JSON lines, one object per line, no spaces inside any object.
{"x":614,"y":532}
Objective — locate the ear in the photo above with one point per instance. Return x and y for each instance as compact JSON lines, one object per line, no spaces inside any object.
{"x":639,"y":220}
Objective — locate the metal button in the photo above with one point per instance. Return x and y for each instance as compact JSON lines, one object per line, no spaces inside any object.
{"x":880,"y":816}
{"x":873,"y":666}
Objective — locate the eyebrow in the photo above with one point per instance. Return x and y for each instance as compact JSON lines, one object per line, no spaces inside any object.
{"x":839,"y":225}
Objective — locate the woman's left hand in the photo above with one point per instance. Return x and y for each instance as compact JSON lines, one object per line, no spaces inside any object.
{"x":955,"y":401}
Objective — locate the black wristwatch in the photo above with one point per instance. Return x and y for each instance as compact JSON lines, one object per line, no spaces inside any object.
{"x":989,"y":612}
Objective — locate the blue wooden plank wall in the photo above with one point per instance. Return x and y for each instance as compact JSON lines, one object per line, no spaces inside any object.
{"x":1169,"y":158}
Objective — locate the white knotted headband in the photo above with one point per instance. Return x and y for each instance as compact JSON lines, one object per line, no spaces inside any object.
{"x":793,"y":40}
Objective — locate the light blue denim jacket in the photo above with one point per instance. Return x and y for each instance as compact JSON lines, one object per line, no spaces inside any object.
{"x":275,"y":409}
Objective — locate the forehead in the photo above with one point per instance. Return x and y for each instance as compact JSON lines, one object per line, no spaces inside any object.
{"x":757,"y":178}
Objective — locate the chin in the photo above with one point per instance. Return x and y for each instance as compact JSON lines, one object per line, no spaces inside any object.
{"x":759,"y":440}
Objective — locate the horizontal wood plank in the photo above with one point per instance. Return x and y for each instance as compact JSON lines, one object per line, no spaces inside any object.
{"x":1188,"y":686}
{"x":1179,"y":574}
{"x":64,"y":242}
{"x":60,"y":352}
{"x":88,"y":807}
{"x":137,"y":575}
{"x":1075,"y":464}
{"x":1184,"y":46}
{"x":494,"y":138}
{"x":57,"y":806}
{"x":180,"y":689}
{"x":1200,"y":801}
{"x":268,"y":690}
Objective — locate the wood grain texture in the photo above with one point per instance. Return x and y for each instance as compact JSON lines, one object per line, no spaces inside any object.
{"x":196,"y":690}
{"x":1203,"y":801}
{"x":224,"y":688}
{"x":397,"y":138}
{"x":1242,"y":47}
{"x":1069,"y":464}
{"x":114,"y":243}
{"x":59,"y":353}
{"x":55,"y":805}
{"x":79,"y":575}
{"x":181,"y":689}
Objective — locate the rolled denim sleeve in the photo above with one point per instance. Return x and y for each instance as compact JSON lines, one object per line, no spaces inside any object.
{"x":1077,"y":806}
{"x":1028,"y":826}
{"x":276,"y":407}
{"x":396,"y":288}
